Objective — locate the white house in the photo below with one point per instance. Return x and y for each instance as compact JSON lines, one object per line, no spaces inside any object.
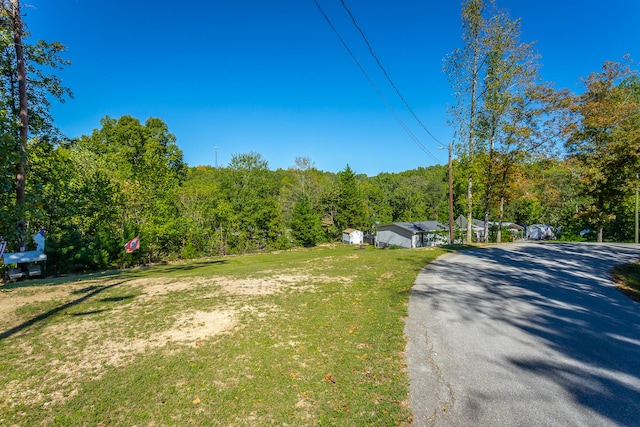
{"x":412,"y":234}
{"x":352,"y":236}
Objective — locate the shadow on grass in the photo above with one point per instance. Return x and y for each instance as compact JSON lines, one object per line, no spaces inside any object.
{"x":124,"y":273}
{"x":88,"y":313}
{"x":89,"y":292}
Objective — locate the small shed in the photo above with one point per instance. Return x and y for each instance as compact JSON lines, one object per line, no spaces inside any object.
{"x":352,"y":236}
{"x":412,"y":234}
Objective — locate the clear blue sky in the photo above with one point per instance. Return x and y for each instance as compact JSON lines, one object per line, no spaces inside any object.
{"x":272,"y":77}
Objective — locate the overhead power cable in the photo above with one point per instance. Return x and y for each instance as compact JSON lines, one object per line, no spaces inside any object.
{"x":384,"y":71}
{"x":375,"y":87}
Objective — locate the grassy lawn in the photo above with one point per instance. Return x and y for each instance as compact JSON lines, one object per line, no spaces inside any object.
{"x":627,"y":279}
{"x":304,"y":337}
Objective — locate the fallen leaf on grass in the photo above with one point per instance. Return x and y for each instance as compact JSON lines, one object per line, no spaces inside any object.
{"x":329,"y":377}
{"x":196,"y":400}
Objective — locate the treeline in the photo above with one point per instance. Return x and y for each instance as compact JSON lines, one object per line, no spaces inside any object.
{"x":525,"y":153}
{"x":128,"y":179}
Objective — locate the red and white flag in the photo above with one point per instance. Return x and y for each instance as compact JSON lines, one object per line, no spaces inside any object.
{"x":132,"y":245}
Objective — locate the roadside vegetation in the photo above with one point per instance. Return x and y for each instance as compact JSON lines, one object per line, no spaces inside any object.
{"x":627,"y":278}
{"x":302,"y":337}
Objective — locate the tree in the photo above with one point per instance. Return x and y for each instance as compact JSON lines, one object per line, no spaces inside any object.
{"x":205,"y":211}
{"x":301,"y":180}
{"x":606,"y":140}
{"x":144,"y":162}
{"x":77,"y":204}
{"x":464,"y":71}
{"x":24,"y":105}
{"x":252,"y":193}
{"x":306,"y":228}
{"x":350,"y":208}
{"x":505,"y":119}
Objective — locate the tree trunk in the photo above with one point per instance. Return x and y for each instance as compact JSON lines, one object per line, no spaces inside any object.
{"x":485,"y":237}
{"x":16,"y":21}
{"x":600,"y":220}
{"x":472,"y":118}
{"x":500,"y":217}
{"x":470,"y":207}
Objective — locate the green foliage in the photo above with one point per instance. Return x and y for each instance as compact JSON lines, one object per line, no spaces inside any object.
{"x":251,"y":193}
{"x":350,"y":207}
{"x":306,"y":227}
{"x":605,"y":143}
{"x":40,"y":58}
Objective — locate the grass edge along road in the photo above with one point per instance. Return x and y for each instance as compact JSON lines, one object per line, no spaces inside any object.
{"x":303,"y":337}
{"x":627,"y":278}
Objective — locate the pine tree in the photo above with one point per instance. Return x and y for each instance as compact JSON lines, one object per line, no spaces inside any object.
{"x":351,"y":207}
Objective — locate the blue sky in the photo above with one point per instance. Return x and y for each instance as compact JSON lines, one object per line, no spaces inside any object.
{"x":272,"y":77}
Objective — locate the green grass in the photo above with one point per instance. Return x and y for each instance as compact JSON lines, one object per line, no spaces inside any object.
{"x":627,"y":279}
{"x":324,"y":349}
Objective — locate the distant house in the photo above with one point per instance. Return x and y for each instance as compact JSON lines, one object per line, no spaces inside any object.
{"x":412,"y":234}
{"x":477,"y":226}
{"x":352,"y":236}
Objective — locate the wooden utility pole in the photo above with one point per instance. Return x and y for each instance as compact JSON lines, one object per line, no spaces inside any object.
{"x":451,"y":229}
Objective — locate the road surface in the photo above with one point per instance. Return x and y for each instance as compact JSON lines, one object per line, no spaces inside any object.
{"x":527,"y":334}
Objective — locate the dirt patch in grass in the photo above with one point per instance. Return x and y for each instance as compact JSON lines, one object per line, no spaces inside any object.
{"x":146,"y":315}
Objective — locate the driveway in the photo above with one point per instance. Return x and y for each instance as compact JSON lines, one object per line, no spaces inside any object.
{"x":525,"y":334}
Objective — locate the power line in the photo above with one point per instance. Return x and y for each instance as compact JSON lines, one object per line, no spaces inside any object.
{"x":375,"y":87}
{"x":384,"y":71}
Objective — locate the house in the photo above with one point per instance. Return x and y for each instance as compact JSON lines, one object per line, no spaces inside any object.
{"x":412,"y":234}
{"x":352,"y":236}
{"x":477,"y":227}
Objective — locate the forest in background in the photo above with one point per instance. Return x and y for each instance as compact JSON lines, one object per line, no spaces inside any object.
{"x":525,"y":152}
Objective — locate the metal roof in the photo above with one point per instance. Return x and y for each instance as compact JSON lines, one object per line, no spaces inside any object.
{"x":418,"y":227}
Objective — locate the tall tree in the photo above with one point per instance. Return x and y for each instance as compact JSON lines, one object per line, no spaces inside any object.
{"x":606,"y":140}
{"x":25,"y":88}
{"x":510,"y":73}
{"x":252,"y":192}
{"x":145,"y":162}
{"x":17,"y":29}
{"x":464,"y":71}
{"x":350,"y":212}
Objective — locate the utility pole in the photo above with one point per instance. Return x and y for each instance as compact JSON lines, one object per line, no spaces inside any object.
{"x":451,"y":229}
{"x":636,"y":234}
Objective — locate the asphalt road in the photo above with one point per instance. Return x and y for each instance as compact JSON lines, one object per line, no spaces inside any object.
{"x":524,"y":335}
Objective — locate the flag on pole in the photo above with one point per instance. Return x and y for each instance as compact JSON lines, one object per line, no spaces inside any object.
{"x":132,"y":245}
{"x":3,"y":245}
